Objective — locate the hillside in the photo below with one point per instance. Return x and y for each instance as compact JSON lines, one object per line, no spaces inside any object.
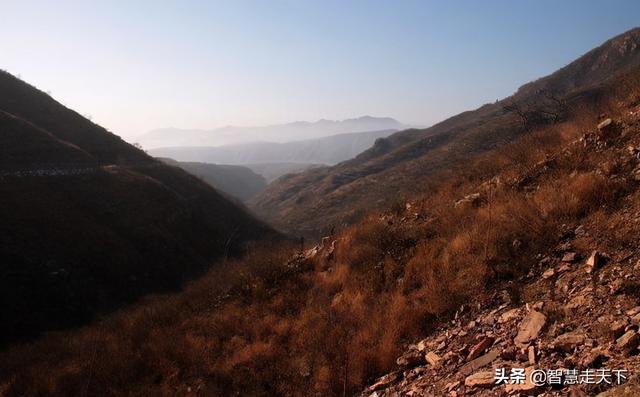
{"x":327,"y":150}
{"x":237,"y":181}
{"x":395,"y":167}
{"x":524,"y":256}
{"x":273,"y":171}
{"x":296,"y":131}
{"x":89,"y":222}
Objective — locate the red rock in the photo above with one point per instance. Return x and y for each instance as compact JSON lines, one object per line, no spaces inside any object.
{"x":593,"y":359}
{"x":481,"y":379}
{"x":479,"y":362}
{"x":432,"y":358}
{"x":479,"y":348}
{"x":617,"y":328}
{"x":593,"y":262}
{"x":530,"y":328}
{"x":508,"y":316}
{"x":384,"y":381}
{"x":633,"y":311}
{"x":628,"y":342}
{"x":569,"y":341}
{"x":531,"y":352}
{"x":410,"y":360}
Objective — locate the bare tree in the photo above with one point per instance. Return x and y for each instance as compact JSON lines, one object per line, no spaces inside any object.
{"x":514,"y":107}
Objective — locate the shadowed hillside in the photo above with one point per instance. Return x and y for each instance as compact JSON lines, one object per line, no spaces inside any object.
{"x":397,"y":166}
{"x":89,"y":222}
{"x":273,"y":171}
{"x":237,"y":181}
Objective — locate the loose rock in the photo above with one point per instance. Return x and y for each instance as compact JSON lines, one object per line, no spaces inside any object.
{"x":628,"y":342}
{"x":530,"y":328}
{"x":480,"y":379}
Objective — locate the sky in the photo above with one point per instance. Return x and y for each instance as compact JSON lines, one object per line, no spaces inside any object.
{"x":133,"y":66}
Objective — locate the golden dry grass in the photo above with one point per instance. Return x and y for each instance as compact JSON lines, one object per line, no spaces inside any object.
{"x":265,"y":325}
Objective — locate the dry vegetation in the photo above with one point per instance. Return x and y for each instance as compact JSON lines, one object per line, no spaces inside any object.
{"x":275,"y":323}
{"x":322,"y":198}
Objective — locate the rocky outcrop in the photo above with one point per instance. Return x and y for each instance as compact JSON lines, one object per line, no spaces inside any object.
{"x":575,"y":324}
{"x":575,"y":315}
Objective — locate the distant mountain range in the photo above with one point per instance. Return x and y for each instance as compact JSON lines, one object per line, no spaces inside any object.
{"x":299,"y":130}
{"x":397,"y":166}
{"x":328,"y":150}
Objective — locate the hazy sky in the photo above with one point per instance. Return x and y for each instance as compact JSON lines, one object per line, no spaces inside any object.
{"x":139,"y":65}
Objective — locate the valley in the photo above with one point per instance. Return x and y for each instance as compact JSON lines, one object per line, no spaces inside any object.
{"x":356,"y":257}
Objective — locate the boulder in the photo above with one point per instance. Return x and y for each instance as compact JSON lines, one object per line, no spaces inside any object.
{"x":530,"y":328}
{"x":480,"y":362}
{"x":509,"y":316}
{"x":594,"y":261}
{"x":633,"y":311}
{"x":548,"y":273}
{"x":480,"y":379}
{"x":593,"y":359}
{"x":422,"y":345}
{"x":410,"y":359}
{"x":628,"y":342}
{"x":582,"y":300}
{"x":479,"y":348}
{"x":569,"y":341}
{"x":618,"y":327}
{"x":432,"y":358}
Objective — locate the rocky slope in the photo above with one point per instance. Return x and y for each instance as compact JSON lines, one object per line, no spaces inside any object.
{"x":407,"y":161}
{"x":577,"y":310}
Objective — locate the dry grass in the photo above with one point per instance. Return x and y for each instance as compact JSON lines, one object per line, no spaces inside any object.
{"x":268,"y":326}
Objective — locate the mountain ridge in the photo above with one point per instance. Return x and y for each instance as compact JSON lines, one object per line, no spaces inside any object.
{"x":320,"y":199}
{"x":328,"y":150}
{"x":91,"y":223}
{"x":298,"y":130}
